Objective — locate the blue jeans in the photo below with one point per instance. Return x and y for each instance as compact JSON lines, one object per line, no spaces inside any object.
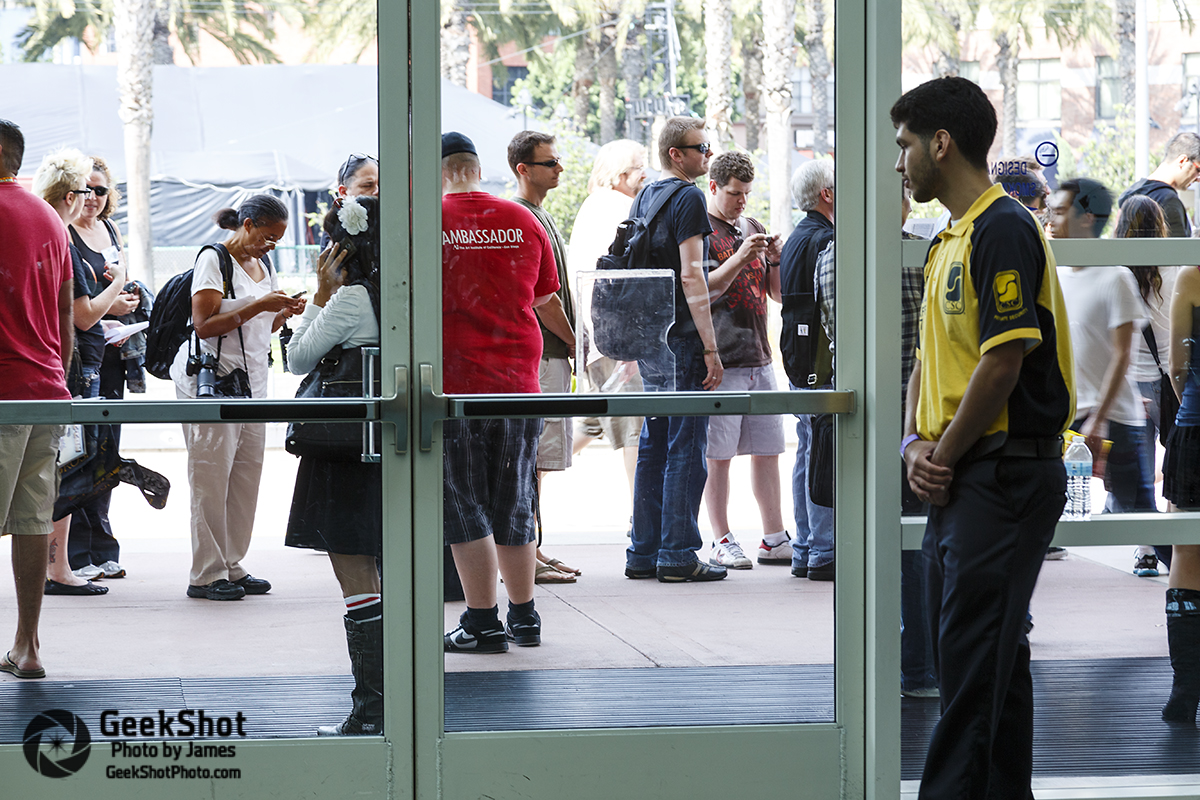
{"x":813,"y":546}
{"x":1130,"y":485}
{"x":669,"y":480}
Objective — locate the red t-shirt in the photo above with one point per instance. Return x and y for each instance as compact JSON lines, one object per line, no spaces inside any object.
{"x":34,"y":264}
{"x":496,"y":258}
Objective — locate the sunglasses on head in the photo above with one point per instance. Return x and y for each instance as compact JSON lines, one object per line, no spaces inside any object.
{"x":352,"y":164}
{"x":704,"y":147}
{"x":100,"y":191}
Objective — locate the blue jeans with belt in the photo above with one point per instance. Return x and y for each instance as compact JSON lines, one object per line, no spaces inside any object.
{"x":668,"y":483}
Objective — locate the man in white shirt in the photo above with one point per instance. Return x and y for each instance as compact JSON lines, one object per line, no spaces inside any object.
{"x":1105,"y":312}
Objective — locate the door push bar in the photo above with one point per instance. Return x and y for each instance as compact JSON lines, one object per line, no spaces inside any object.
{"x":433,"y":407}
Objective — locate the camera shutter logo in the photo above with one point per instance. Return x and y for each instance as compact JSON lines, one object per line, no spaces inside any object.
{"x":64,"y":735}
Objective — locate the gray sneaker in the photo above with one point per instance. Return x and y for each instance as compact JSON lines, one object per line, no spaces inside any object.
{"x":111,"y":569}
{"x":89,"y":573}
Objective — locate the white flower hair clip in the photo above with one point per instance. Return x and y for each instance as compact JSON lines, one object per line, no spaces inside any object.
{"x":353,"y":216}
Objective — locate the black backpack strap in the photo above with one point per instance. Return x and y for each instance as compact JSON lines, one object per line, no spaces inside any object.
{"x":1152,"y":343}
{"x":227,"y":277}
{"x":663,"y":199}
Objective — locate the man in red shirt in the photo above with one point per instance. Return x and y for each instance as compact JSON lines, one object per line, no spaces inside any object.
{"x":497,"y":266}
{"x":36,"y":340}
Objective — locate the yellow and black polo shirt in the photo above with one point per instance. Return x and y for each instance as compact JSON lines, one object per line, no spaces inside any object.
{"x":990,"y":279}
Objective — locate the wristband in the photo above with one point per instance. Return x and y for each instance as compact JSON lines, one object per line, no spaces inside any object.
{"x":708,"y":352}
{"x":906,"y":441}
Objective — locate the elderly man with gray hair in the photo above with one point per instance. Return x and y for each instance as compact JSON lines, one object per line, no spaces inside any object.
{"x":806,"y":356}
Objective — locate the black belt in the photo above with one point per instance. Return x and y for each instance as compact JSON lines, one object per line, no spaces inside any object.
{"x":996,"y":446}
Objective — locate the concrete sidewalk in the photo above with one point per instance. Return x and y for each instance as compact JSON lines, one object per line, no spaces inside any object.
{"x":146,"y":626}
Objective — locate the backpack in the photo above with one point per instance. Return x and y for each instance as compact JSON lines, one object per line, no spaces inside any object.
{"x":627,"y":321}
{"x":171,"y":319}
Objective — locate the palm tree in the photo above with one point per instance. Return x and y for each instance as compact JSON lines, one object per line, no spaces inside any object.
{"x":718,"y":70}
{"x":1017,"y":21}
{"x":142,"y":29}
{"x":779,"y":58}
{"x":752,"y":78}
{"x":818,"y":69}
{"x":939,"y":24}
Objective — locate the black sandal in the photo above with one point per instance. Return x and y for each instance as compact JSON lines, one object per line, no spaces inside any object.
{"x":154,"y":487}
{"x":89,"y":588}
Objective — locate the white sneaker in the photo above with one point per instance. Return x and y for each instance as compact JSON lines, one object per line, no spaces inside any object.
{"x":779,"y":554}
{"x":111,"y":569}
{"x":729,"y":555}
{"x":90,"y":572}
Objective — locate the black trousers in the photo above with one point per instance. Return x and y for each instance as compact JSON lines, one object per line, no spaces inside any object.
{"x":983,"y":552}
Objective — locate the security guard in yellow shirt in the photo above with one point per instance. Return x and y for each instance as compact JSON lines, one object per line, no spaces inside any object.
{"x":990,"y":395}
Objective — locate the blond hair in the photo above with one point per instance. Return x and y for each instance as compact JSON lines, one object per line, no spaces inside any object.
{"x":614,"y":160}
{"x":61,"y":172}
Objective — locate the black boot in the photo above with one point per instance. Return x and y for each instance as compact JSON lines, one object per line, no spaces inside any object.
{"x":365,"y":643}
{"x":1183,"y":642}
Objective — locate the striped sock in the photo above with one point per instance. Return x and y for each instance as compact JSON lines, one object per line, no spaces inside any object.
{"x":364,"y":607}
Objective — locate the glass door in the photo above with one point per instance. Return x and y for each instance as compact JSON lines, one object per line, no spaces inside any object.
{"x":630,"y":668}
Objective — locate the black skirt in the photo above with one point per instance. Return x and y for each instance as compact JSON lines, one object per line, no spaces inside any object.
{"x":337,"y":507}
{"x":1181,"y":467}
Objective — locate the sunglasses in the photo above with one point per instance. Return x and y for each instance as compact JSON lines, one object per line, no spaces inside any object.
{"x":551,"y":164}
{"x":352,"y":164}
{"x":80,"y":191}
{"x":100,"y":191}
{"x":705,"y":148}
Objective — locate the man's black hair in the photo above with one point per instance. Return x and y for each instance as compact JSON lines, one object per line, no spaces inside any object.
{"x":955,"y":105}
{"x":1090,"y":197}
{"x":12,"y":141}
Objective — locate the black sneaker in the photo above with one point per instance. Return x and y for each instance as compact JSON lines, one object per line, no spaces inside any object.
{"x":1146,"y":566}
{"x":696,"y":571}
{"x":524,"y":632}
{"x":639,"y":574}
{"x":464,"y":640}
{"x":217,"y":590}
{"x":253,"y":585}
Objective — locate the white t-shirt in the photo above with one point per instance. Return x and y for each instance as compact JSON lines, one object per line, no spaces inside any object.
{"x":347,"y":319}
{"x":593,"y":232}
{"x":1099,"y":299}
{"x":256,"y":331}
{"x":1142,"y":366}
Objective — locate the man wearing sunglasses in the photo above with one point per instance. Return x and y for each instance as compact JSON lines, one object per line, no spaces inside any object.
{"x":1179,"y":169}
{"x":534,"y":159}
{"x":669,"y":481}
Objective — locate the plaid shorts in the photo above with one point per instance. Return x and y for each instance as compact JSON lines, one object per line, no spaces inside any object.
{"x":489,"y":471}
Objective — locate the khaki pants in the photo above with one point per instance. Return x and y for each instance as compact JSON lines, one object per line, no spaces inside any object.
{"x":224,"y":467}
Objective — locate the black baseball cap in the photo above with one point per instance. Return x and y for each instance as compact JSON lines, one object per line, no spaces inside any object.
{"x":454,"y":142}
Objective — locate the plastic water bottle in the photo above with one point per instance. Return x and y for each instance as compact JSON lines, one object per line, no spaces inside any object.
{"x":1078,"y":460}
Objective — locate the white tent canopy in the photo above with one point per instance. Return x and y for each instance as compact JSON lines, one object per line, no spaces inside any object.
{"x":221,"y":134}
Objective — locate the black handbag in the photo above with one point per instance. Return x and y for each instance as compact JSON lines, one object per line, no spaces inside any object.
{"x":820,"y":461}
{"x":338,"y":374}
{"x":1168,"y":403}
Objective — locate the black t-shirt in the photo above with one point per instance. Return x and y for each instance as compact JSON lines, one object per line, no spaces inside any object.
{"x":88,"y":284}
{"x":685,"y":216}
{"x":1165,"y":195}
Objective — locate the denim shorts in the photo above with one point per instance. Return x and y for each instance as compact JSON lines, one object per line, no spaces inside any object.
{"x":489,"y":480}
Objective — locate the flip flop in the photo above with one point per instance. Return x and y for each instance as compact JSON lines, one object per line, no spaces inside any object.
{"x":10,"y":666}
{"x":561,"y":567}
{"x":544,"y":573}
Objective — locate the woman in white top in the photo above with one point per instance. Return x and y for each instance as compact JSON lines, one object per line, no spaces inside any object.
{"x":1142,"y":218}
{"x":337,"y":506}
{"x":225,"y":459}
{"x":617,"y":174}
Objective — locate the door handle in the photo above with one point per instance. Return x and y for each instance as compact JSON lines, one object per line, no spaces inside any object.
{"x":402,"y":407}
{"x":431,"y":407}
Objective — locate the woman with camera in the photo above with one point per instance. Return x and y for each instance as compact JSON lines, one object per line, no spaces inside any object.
{"x":227,"y":357}
{"x":336,"y":506}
